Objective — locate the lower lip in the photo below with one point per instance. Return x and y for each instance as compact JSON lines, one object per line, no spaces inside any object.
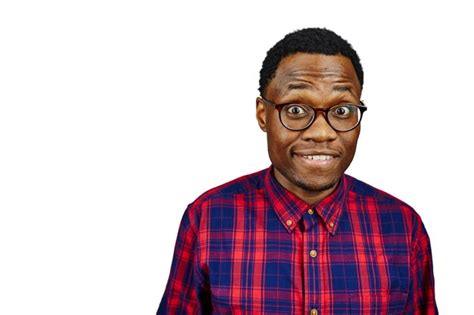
{"x":317,"y":163}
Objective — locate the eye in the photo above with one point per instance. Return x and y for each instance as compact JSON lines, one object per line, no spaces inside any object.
{"x":343,"y":111}
{"x":295,"y":110}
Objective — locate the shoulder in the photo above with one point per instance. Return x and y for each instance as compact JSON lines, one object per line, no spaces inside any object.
{"x":225,"y":193}
{"x":361,"y":190}
{"x":244,"y":184}
{"x":388,"y":207}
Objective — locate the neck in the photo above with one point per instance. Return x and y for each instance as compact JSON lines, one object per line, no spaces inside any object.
{"x":313,"y":198}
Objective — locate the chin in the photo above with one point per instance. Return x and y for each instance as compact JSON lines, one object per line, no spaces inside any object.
{"x":303,"y":179}
{"x":316,"y":186}
{"x":315,"y":181}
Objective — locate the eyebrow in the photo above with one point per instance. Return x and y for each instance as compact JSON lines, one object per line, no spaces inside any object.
{"x":305,"y":86}
{"x":298,"y":86}
{"x":343,"y":88}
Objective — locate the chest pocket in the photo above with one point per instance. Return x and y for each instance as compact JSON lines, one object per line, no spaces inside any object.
{"x":385,"y":303}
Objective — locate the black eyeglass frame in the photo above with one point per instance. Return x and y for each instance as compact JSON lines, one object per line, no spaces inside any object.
{"x":278,"y":107}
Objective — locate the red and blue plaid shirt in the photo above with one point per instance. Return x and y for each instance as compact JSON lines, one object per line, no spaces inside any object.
{"x":252,"y":247}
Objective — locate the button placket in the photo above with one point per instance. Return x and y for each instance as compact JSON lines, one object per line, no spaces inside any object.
{"x":311,"y":262}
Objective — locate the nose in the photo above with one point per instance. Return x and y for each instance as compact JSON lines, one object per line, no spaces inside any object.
{"x":319,"y":130}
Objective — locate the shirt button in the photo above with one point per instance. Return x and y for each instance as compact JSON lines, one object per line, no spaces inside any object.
{"x":331,"y":224}
{"x":310,"y":211}
{"x":313,"y":254}
{"x":314,"y":311}
{"x":289,"y":222}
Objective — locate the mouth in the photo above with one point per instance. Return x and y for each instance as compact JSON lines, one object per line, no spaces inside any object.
{"x":317,"y":159}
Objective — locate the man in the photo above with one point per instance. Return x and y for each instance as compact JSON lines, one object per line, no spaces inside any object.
{"x":302,"y":237}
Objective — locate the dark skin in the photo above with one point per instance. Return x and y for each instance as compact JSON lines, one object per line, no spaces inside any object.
{"x":320,"y":81}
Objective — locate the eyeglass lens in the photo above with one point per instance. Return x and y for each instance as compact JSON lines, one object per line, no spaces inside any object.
{"x":341,"y":117}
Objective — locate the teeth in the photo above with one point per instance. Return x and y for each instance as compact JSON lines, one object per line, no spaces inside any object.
{"x":318,"y":157}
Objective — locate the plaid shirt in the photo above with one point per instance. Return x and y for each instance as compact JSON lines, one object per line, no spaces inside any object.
{"x":252,"y":247}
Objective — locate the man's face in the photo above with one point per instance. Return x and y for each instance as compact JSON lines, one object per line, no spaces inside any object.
{"x":320,"y":81}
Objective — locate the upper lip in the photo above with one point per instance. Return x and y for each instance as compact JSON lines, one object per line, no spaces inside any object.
{"x":317,"y":152}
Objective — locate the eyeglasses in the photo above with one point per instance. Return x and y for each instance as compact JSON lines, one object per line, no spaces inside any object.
{"x":297,"y":117}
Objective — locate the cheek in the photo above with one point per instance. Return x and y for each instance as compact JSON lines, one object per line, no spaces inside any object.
{"x":349,"y":142}
{"x":279,"y":139}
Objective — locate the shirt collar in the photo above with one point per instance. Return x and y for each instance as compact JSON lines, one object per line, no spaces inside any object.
{"x":290,"y":208}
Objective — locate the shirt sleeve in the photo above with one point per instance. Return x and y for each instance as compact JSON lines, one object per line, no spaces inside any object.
{"x":187,"y":290}
{"x":421,"y":298}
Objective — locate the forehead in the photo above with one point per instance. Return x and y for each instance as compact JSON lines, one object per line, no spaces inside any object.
{"x":314,"y":70}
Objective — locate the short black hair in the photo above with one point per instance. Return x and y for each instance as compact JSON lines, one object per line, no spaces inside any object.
{"x":307,"y":40}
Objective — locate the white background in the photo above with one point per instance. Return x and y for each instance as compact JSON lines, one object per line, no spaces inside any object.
{"x":114,"y":115}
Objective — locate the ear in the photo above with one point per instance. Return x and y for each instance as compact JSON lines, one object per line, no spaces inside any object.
{"x":261,"y":114}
